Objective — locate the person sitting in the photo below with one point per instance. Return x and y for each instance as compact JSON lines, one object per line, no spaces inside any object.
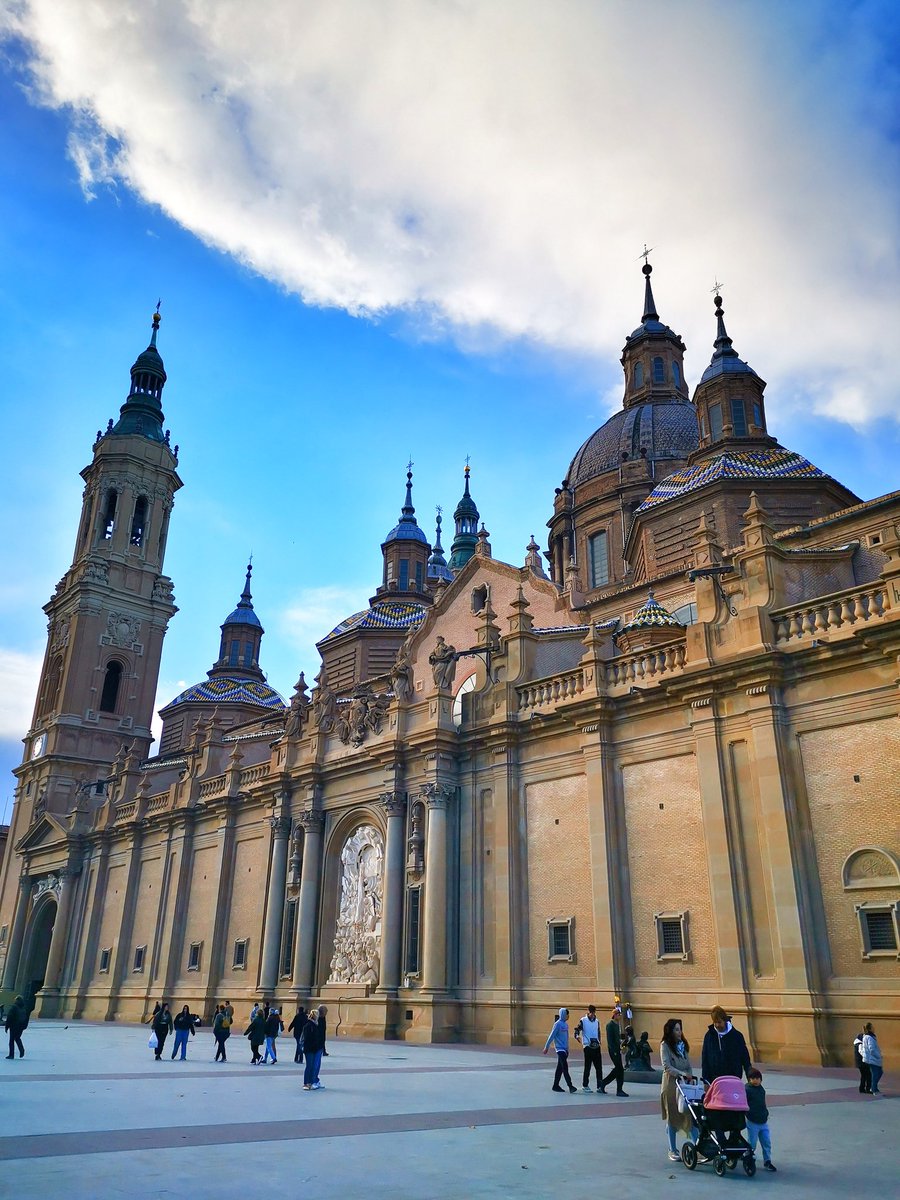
{"x":640,"y":1053}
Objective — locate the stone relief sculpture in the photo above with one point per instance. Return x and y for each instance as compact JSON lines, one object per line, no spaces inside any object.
{"x":357,"y":938}
{"x":122,"y":629}
{"x":443,"y":663}
{"x":324,"y":704}
{"x":402,"y":674}
{"x":364,"y":714}
{"x":298,"y":711}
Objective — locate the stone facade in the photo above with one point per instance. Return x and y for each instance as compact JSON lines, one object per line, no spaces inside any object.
{"x":504,"y":791}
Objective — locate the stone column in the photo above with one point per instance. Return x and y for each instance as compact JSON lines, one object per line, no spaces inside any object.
{"x":394,"y":805}
{"x":437,"y":798}
{"x":60,"y":933}
{"x":14,"y":953}
{"x":281,"y":832}
{"x":313,"y":823}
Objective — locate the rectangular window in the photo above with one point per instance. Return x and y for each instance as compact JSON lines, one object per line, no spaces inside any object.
{"x":418,"y":577}
{"x":287,"y":939}
{"x":194,"y":953}
{"x":757,"y":416}
{"x":239,"y":959}
{"x":879,"y":927}
{"x":560,"y":939}
{"x":139,"y":953}
{"x":413,"y":901}
{"x":404,"y":574}
{"x":105,"y":956}
{"x":715,"y":421}
{"x":598,"y":551}
{"x":234,"y":654}
{"x":738,"y":418}
{"x":671,"y":936}
{"x":4,"y":933}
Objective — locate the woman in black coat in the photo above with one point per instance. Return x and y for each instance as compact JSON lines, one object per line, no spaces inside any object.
{"x":296,"y":1028}
{"x":724,"y":1049}
{"x":16,"y":1023}
{"x":161,"y":1021}
{"x":256,"y":1032}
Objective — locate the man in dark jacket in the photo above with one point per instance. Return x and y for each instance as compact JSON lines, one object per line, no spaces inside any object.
{"x":256,"y":1032}
{"x":312,"y":1050}
{"x":724,"y":1049}
{"x":296,"y":1027}
{"x":614,"y":1047}
{"x":16,"y":1023}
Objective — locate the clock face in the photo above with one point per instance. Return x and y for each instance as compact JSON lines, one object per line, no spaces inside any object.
{"x":37,"y":746}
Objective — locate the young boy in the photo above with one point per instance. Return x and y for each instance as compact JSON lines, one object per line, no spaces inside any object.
{"x":758,"y":1117}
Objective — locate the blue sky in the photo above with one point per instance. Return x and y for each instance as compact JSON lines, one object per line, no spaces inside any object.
{"x":415,"y":235}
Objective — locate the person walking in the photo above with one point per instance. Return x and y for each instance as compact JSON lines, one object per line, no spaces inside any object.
{"x":15,"y":1024}
{"x":184,"y":1028}
{"x":221,"y":1032}
{"x":614,"y":1049}
{"x":312,"y":1050}
{"x":229,"y":1012}
{"x":274,"y":1026}
{"x":256,"y":1032}
{"x":161,"y":1023}
{"x":673,"y":1051}
{"x":871,"y":1056}
{"x":724,"y":1049}
{"x":559,"y":1037}
{"x":865,"y":1075}
{"x":758,"y":1117}
{"x":587,"y":1031}
{"x":323,"y":1027}
{"x":296,"y":1028}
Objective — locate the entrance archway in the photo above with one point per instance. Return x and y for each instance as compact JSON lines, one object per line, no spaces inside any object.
{"x":31,"y":978}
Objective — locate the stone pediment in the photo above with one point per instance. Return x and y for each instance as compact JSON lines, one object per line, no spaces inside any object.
{"x":47,"y":830}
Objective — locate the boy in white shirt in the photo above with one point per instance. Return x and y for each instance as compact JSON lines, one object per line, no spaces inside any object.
{"x":587,"y":1031}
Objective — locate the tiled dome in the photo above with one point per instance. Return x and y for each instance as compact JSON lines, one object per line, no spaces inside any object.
{"x":665,"y":431}
{"x":230,"y":689}
{"x":384,"y":614}
{"x":776,"y":463}
{"x":651,"y":615}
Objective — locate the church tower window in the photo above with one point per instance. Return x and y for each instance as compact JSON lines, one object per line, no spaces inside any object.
{"x":404,"y":574}
{"x":659,"y":370}
{"x":676,"y":374}
{"x":139,"y":522}
{"x":738,"y":418}
{"x":638,"y":375}
{"x":109,"y":515}
{"x":715,"y":421}
{"x":598,"y":549}
{"x":111,"y":681}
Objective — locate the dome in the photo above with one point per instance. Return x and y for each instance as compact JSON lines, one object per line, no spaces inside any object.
{"x":230,"y":689}
{"x":651,"y":615}
{"x":776,"y":463}
{"x":243,"y":615}
{"x":665,"y":431}
{"x":384,"y":614}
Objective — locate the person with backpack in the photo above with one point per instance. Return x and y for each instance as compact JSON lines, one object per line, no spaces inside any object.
{"x":15,"y":1024}
{"x":221,"y":1032}
{"x":274,"y":1026}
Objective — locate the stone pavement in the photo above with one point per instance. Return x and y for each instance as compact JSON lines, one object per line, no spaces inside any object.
{"x":89,"y":1114}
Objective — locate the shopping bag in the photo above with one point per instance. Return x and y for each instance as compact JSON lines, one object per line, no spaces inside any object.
{"x":153,"y":1042}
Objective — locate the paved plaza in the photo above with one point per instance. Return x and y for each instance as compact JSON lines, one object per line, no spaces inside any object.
{"x":88,"y":1113}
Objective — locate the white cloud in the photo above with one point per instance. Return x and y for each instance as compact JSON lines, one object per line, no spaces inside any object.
{"x":314,"y":611}
{"x":502,"y":163}
{"x":19,"y":674}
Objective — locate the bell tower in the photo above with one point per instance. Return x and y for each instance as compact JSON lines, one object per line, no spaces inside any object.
{"x":108,"y":615}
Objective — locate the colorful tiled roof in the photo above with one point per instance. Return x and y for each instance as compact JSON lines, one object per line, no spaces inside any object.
{"x":384,"y":614}
{"x":776,"y":463}
{"x":661,"y":430}
{"x":230,"y":689}
{"x":651,"y":615}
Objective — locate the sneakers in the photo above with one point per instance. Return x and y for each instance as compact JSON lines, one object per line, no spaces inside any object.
{"x":573,"y":1089}
{"x":586,"y":1089}
{"x":602,"y":1090}
{"x":625,"y":1094}
{"x":768,"y":1166}
{"x":307,"y":1087}
{"x":317,"y":1087}
{"x":673,"y":1157}
{"x":556,"y":1089}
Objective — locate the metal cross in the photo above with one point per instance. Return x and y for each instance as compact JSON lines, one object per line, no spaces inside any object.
{"x":410,"y":464}
{"x":467,"y":459}
{"x":646,"y":253}
{"x":158,"y":303}
{"x":716,"y":288}
{"x":439,"y":508}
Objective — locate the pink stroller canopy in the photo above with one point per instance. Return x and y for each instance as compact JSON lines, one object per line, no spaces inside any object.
{"x":726,"y":1094}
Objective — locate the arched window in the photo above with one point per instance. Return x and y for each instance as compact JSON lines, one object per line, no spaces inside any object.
{"x":659,"y":371}
{"x":111,"y":681}
{"x":108,"y":523}
{"x":738,"y":418}
{"x":51,"y":687}
{"x":234,"y":653}
{"x":139,"y":522}
{"x":638,"y":375}
{"x":715,"y":421}
{"x":676,"y":374}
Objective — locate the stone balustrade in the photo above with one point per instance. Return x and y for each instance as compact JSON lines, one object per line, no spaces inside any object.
{"x":253,"y":774}
{"x":212,"y":787}
{"x":554,"y":689}
{"x":841,"y":610}
{"x":125,"y":812}
{"x":632,"y":670}
{"x":158,"y":803}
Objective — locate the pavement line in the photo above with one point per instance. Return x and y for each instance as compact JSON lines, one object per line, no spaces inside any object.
{"x":240,"y":1072}
{"x":107,"y":1141}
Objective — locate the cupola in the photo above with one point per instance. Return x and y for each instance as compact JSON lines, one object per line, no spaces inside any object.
{"x":142,"y":411}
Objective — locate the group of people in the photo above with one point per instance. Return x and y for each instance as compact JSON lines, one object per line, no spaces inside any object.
{"x":867,"y":1058}
{"x":587,"y":1031}
{"x":308,"y":1027}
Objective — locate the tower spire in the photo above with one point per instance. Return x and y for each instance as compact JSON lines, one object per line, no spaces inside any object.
{"x":437,"y":564}
{"x":142,"y":411}
{"x":650,"y":313}
{"x":466,"y":536}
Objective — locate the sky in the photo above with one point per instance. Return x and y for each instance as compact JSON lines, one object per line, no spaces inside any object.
{"x":411,"y":229}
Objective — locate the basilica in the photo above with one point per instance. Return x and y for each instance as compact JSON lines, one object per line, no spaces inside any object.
{"x":654,"y":763}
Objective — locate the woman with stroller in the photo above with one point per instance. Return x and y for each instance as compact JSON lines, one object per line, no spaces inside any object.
{"x":676,"y":1065}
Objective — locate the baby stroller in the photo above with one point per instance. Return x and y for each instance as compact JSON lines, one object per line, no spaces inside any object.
{"x":718,"y":1113}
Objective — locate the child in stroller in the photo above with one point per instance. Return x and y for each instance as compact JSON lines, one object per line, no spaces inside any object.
{"x":720,"y":1117}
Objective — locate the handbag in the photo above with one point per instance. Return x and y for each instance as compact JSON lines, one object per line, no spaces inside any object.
{"x":153,"y":1041}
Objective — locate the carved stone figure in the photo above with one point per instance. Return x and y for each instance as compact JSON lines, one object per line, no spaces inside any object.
{"x":357,"y":939}
{"x":359,"y":708}
{"x":298,"y":711}
{"x":97,"y":571}
{"x":443,"y":663}
{"x":122,"y":629}
{"x":378,"y":706}
{"x":162,"y":588}
{"x":324,"y":704}
{"x":402,"y":674}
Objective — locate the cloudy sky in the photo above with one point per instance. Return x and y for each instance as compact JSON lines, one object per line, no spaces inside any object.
{"x":393,"y":228}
